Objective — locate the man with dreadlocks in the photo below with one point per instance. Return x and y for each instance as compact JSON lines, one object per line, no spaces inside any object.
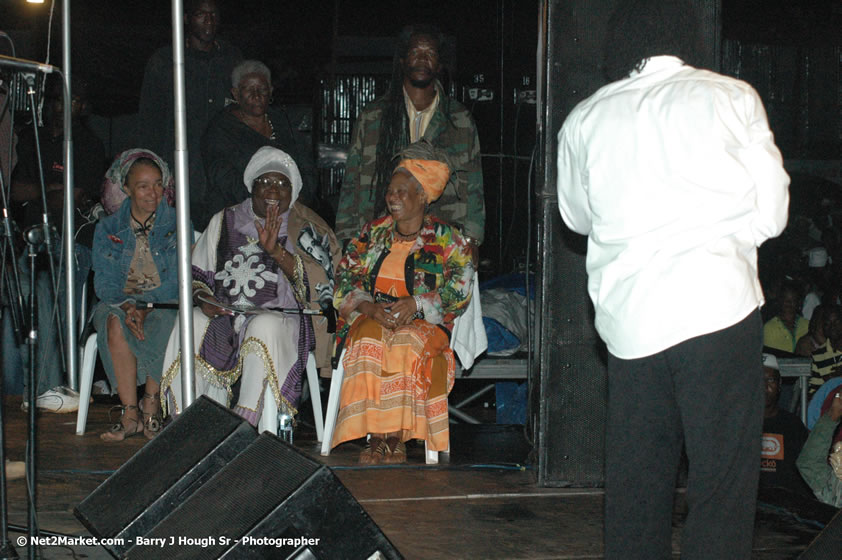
{"x":674,"y":175}
{"x":415,"y":107}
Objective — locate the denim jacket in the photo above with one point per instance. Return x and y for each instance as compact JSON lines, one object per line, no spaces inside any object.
{"x":114,"y":245}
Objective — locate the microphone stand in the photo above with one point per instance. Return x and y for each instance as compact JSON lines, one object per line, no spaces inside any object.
{"x":36,"y":238}
{"x":45,"y":215}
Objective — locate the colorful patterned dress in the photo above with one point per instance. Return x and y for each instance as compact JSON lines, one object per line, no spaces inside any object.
{"x":398,"y":380}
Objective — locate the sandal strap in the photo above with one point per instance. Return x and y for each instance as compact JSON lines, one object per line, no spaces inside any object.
{"x":397,"y":450}
{"x":122,"y":410}
{"x":118,"y":426}
{"x":374,"y":452}
{"x":152,"y":420}
{"x":153,"y":423}
{"x":380,"y":447}
{"x":396,"y":445}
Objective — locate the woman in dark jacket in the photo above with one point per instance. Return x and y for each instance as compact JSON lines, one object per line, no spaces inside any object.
{"x":235,"y":134}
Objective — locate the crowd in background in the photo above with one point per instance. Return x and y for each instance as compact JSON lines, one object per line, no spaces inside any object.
{"x":803,"y":318}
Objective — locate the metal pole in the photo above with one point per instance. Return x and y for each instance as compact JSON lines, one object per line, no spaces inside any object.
{"x":31,"y":399}
{"x":182,"y":207}
{"x":72,"y":338}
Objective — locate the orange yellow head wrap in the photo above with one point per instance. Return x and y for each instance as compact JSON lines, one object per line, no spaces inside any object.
{"x":433,"y":175}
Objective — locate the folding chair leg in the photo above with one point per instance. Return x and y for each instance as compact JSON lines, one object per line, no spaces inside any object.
{"x":269,"y":417}
{"x":432,"y":457}
{"x":315,"y":396}
{"x":333,"y":406}
{"x":86,"y":380}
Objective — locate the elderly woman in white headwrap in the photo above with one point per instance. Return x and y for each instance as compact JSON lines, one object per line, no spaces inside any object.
{"x":250,"y":263}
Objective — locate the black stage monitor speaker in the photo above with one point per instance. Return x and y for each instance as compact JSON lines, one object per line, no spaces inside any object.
{"x":271,"y":501}
{"x":205,"y":438}
{"x":828,"y":544}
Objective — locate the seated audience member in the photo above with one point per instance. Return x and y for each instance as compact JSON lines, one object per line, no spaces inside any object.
{"x":783,"y":436}
{"x":782,"y":331}
{"x":822,"y":472}
{"x":402,"y":282}
{"x":267,"y":253}
{"x":827,"y":358}
{"x":135,"y":261}
{"x":235,"y":134}
{"x":815,"y":338}
{"x":88,"y":165}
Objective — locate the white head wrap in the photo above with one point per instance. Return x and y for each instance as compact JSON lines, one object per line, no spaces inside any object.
{"x":770,"y":361}
{"x":267,"y":160}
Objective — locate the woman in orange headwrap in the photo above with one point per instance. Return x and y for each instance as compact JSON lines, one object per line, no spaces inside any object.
{"x":401,"y":284}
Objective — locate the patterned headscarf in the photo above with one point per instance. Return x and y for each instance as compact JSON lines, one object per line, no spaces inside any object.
{"x":114,"y":185}
{"x":429,"y":165}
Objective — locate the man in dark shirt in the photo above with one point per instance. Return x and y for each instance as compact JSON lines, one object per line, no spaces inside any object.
{"x":208,"y":62}
{"x":783,"y":436}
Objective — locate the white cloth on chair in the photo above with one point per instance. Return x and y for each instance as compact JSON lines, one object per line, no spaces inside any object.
{"x":468,"y":338}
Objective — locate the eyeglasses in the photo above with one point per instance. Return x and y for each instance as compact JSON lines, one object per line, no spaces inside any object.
{"x":265,"y":182}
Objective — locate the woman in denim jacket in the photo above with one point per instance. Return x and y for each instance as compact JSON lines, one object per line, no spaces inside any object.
{"x":134,"y":261}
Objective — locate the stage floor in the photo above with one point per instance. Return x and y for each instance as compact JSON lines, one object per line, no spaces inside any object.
{"x":457,"y":510}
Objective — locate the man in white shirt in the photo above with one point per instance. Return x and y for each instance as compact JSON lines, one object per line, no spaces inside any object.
{"x":673,"y":174}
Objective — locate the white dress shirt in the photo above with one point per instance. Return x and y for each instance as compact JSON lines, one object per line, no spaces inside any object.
{"x":674,"y":176}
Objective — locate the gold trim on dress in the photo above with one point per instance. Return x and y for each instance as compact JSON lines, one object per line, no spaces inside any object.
{"x":225,"y":379}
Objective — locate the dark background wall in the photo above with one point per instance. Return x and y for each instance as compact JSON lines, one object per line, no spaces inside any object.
{"x":787,"y":49}
{"x":306,"y":44}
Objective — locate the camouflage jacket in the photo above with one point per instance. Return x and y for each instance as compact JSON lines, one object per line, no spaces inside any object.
{"x":462,"y":204}
{"x":438,"y":269}
{"x":813,"y":465}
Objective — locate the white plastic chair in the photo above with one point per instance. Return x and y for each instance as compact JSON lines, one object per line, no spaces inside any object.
{"x":87,"y":357}
{"x":431,"y":457}
{"x":269,"y":417}
{"x":268,"y":420}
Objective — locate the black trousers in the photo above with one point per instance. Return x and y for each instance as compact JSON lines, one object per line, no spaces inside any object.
{"x":706,"y":392}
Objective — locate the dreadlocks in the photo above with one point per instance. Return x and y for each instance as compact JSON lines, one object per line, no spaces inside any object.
{"x":394,"y":128}
{"x":640,"y":29}
{"x":423,"y":149}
